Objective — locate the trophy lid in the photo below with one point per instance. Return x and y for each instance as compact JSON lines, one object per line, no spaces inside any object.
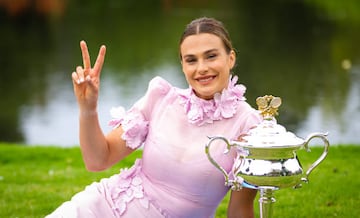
{"x":268,"y":133}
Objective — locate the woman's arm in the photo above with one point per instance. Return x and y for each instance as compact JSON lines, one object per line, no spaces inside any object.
{"x":241,"y":204}
{"x":99,"y":151}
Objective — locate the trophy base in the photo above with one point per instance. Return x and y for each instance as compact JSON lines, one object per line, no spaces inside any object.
{"x":273,"y":181}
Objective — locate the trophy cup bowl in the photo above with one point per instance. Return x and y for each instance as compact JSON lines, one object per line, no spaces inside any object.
{"x":266,"y":156}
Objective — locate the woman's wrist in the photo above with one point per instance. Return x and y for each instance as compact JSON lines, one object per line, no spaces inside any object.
{"x":88,"y":113}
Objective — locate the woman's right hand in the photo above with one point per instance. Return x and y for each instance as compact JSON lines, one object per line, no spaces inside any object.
{"x":86,"y":80}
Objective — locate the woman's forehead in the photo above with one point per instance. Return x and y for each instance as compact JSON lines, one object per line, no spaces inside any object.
{"x":200,"y":43}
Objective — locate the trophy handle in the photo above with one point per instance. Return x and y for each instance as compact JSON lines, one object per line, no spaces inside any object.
{"x":207,"y":151}
{"x":323,"y":155}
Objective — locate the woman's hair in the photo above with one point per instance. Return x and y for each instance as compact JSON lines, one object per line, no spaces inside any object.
{"x":208,"y":25}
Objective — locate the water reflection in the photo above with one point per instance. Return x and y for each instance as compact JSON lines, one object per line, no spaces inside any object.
{"x":290,"y":49}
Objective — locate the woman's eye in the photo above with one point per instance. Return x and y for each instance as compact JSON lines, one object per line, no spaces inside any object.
{"x":211,"y":56}
{"x":190,"y":60}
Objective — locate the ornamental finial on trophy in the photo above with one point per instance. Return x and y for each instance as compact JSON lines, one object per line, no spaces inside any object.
{"x":268,"y":106}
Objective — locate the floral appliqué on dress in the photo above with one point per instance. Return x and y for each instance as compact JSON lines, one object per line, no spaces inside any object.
{"x":223,"y":105}
{"x":129,"y":187}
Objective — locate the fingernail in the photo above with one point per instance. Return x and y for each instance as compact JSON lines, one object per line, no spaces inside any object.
{"x":88,"y":78}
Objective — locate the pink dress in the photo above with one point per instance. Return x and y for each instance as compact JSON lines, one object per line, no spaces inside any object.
{"x":174,"y":178}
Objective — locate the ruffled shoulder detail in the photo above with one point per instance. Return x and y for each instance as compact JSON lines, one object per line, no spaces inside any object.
{"x":135,"y":121}
{"x":200,"y":111}
{"x":159,"y":85}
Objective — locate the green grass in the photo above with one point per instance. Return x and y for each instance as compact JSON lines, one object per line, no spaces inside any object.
{"x":35,"y":180}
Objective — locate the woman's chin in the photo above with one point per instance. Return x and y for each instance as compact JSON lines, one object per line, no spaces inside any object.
{"x":207,"y":95}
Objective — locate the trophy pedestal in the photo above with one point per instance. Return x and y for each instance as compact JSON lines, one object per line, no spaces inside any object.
{"x":266,"y":201}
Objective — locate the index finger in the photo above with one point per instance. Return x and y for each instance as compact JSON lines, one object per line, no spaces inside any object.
{"x":85,"y":55}
{"x":99,"y":61}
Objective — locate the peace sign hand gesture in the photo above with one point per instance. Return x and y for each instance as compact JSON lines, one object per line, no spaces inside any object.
{"x":86,"y":80}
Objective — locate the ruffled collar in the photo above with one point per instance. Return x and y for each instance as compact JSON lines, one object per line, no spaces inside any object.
{"x":200,"y":111}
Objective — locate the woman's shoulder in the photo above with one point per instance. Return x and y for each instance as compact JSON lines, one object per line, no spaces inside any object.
{"x":159,"y":92}
{"x":159,"y":86}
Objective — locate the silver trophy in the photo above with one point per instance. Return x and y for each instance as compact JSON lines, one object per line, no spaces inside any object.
{"x":266,"y":157}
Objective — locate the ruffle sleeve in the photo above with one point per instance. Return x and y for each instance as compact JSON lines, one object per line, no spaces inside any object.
{"x":135,"y":122}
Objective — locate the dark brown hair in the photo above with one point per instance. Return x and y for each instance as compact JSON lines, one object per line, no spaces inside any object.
{"x":208,"y":25}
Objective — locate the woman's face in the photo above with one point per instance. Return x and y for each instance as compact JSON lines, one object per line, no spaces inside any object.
{"x":206,"y":64}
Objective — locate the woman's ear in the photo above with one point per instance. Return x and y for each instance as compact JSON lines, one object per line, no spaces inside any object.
{"x":232,"y":59}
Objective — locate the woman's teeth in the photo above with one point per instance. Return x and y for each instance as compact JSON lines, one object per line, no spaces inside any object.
{"x":205,"y":79}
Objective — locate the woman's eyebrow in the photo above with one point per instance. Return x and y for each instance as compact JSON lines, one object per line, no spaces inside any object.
{"x":189,"y":56}
{"x":205,"y":52}
{"x":211,"y":50}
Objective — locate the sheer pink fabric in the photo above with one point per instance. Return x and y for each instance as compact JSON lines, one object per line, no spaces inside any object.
{"x":174,"y":178}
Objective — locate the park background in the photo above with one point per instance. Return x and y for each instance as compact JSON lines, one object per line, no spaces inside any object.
{"x":305,"y":51}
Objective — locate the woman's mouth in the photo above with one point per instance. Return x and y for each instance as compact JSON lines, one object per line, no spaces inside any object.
{"x":205,"y":80}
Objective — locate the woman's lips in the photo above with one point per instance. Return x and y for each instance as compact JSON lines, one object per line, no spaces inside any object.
{"x":205,"y":80}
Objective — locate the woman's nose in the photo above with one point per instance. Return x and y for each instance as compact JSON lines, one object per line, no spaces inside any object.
{"x":202,"y":67}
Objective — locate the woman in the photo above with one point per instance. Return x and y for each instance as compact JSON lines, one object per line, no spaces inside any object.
{"x":174,"y":178}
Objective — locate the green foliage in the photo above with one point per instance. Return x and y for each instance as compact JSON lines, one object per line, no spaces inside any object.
{"x":35,"y":180}
{"x":338,"y":10}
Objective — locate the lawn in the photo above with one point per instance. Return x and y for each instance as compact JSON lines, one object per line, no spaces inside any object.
{"x":35,"y":180}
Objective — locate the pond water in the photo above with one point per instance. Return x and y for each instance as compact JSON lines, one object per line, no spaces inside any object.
{"x":306,"y":52}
